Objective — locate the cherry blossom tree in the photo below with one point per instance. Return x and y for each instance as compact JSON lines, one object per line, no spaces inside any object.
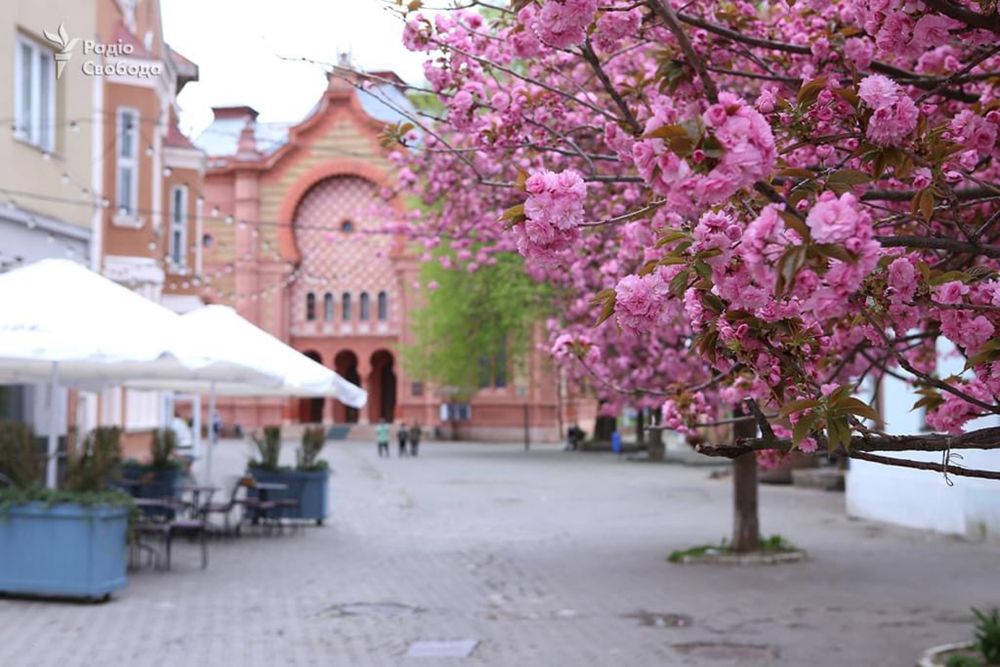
{"x":767,"y":207}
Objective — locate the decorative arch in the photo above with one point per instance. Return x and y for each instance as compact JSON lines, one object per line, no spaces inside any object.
{"x":289,"y":203}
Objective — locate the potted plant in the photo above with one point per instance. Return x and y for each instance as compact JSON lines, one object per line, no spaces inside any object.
{"x":67,"y":542}
{"x":313,"y":473}
{"x":306,"y":483}
{"x":159,"y":478}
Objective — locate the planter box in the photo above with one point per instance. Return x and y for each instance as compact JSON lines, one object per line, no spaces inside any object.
{"x":310,"y":488}
{"x":64,"y":549}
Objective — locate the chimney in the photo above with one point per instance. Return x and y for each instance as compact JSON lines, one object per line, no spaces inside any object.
{"x":228,"y":113}
{"x":246,"y":148}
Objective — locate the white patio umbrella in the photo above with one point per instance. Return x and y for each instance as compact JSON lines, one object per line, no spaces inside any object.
{"x":62,"y":323}
{"x":220,"y":327}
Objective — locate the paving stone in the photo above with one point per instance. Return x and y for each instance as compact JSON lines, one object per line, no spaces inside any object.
{"x":543,"y":558}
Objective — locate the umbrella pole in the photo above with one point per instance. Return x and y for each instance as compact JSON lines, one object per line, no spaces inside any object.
{"x":51,"y":465}
{"x":211,"y":432}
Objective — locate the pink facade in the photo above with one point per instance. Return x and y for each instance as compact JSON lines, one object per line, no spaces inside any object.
{"x":296,"y":241}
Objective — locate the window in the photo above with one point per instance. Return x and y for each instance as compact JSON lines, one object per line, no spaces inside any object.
{"x":365,"y":307}
{"x":345,"y":307}
{"x":500,"y":369}
{"x":310,"y":307}
{"x":178,"y":225}
{"x":493,"y":370}
{"x":383,"y":306}
{"x":128,"y":166}
{"x":484,"y":371}
{"x":417,"y":389}
{"x":347,"y":226}
{"x":328,"y":307}
{"x":34,"y":94}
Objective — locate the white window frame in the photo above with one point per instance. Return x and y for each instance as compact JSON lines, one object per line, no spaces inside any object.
{"x":178,"y":246}
{"x":128,"y":161}
{"x":39,"y":128}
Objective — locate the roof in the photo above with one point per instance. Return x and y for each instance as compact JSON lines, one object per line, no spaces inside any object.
{"x":177,"y":139}
{"x":220,"y":139}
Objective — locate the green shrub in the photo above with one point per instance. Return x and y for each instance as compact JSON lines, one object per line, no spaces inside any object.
{"x":96,"y":462}
{"x":162,"y":449}
{"x":988,"y":635}
{"x":21,"y":461}
{"x":962,"y":661}
{"x":313,"y":440}
{"x":268,"y":448}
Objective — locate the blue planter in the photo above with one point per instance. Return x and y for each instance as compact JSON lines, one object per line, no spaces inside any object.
{"x":62,"y":550}
{"x":310,"y":488}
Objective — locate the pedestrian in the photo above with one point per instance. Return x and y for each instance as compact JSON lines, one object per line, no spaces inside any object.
{"x":216,"y":426}
{"x":616,"y":442}
{"x":414,"y":438}
{"x":382,"y":436}
{"x":402,"y":434}
{"x":574,"y":436}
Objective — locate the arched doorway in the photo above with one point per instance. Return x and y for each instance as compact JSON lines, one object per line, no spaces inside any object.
{"x":382,"y":387}
{"x":311,"y":409}
{"x":346,"y":364}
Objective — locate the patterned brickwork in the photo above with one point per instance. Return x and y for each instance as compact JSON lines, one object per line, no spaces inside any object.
{"x":343,"y":252}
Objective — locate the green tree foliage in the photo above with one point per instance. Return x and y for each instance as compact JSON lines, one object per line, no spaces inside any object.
{"x":474,"y":326}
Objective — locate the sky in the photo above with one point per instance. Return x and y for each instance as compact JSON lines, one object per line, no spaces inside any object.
{"x":247,"y":50}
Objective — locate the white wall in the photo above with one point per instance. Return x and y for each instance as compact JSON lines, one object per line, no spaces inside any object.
{"x":923,"y":499}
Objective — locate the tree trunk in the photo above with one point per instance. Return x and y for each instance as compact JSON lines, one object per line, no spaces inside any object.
{"x":640,"y":427}
{"x":603,"y":428}
{"x":746,"y":525}
{"x":656,"y":449}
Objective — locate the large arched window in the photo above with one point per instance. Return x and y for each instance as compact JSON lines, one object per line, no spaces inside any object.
{"x":365,"y":308}
{"x":383,"y":306}
{"x":345,"y":303}
{"x":328,"y":307}
{"x":310,"y":307}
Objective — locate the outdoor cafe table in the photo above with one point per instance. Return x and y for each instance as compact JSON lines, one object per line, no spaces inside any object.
{"x":197,"y":491}
{"x":263,"y":489}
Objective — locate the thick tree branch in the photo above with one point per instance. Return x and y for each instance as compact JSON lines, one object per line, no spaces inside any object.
{"x":912,"y":78}
{"x":595,"y":64}
{"x":970,"y":18}
{"x":926,"y":465}
{"x":986,"y":438}
{"x":666,"y":12}
{"x":937,"y":243}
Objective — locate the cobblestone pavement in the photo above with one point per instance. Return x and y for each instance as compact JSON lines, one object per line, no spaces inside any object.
{"x":543,"y":558}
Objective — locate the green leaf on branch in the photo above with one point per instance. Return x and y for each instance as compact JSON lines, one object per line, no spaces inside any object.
{"x":798,"y":406}
{"x":804,"y":427}
{"x":679,"y":283}
{"x":843,"y":180}
{"x":838,"y":433}
{"x":669,"y":236}
{"x":923,"y":203}
{"x":513,"y":216}
{"x":795,"y":222}
{"x":857,"y":407}
{"x":789,"y":263}
{"x":606,"y":299}
{"x":810,"y":90}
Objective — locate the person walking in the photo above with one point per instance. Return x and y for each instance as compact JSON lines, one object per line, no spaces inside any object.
{"x":414,"y":438}
{"x":382,"y":436}
{"x":402,"y":434}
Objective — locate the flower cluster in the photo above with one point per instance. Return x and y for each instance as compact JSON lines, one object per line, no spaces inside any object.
{"x":554,"y":211}
{"x":894,"y":115}
{"x":739,"y":151}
